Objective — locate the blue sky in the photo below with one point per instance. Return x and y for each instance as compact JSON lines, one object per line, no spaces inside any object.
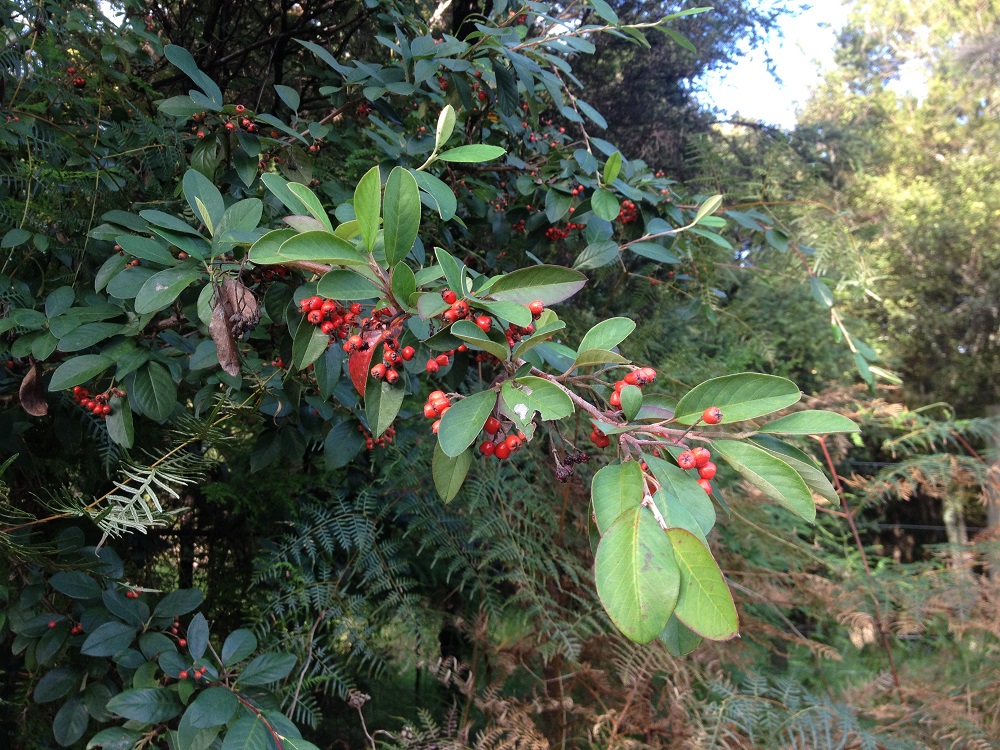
{"x":800,"y":54}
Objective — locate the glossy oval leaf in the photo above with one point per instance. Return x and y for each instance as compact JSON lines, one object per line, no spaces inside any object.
{"x":770,"y":475}
{"x":605,"y":204}
{"x":368,"y":206}
{"x":638,"y":580}
{"x":213,"y":707}
{"x":320,"y":247}
{"x":704,"y":604}
{"x":684,"y":486}
{"x":812,"y":422}
{"x":473,"y":335}
{"x":449,"y":472}
{"x":476,"y":152}
{"x":79,"y":370}
{"x":382,"y":402}
{"x":401,"y":212}
{"x":445,"y":126}
{"x":266,"y":668}
{"x":162,"y":288}
{"x":679,"y":639}
{"x":148,"y":705}
{"x":463,"y":422}
{"x":204,"y":198}
{"x":265,"y":250}
{"x":802,"y":462}
{"x":342,"y":284}
{"x":615,"y":489}
{"x":154,"y":391}
{"x":607,"y":334}
{"x":550,"y":284}
{"x":238,"y":646}
{"x":741,"y":396}
{"x":677,"y":515}
{"x":631,"y":400}
{"x":529,"y":393}
{"x":312,"y":204}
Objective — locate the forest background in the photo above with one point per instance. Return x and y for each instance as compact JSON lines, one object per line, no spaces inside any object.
{"x":853,"y":254}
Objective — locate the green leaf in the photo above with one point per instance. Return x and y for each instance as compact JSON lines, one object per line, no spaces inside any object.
{"x":449,"y":473}
{"x":403,"y":284}
{"x":777,"y":239}
{"x":463,"y":422}
{"x":708,"y":207}
{"x":439,"y":195}
{"x":108,"y":639}
{"x":162,"y":288}
{"x":557,"y":205}
{"x":401,"y":208}
{"x":343,"y":284}
{"x":597,"y":255}
{"x":70,"y":722}
{"x":615,"y":489}
{"x":368,"y":206}
{"x":676,"y":514}
{"x":655,"y":252}
{"x":308,"y":345}
{"x":78,"y":370}
{"x":607,"y":334}
{"x":452,"y":271}
{"x":57,"y":684}
{"x":15,"y":237}
{"x":312,"y":204}
{"x":249,"y":733}
{"x":741,"y":396}
{"x":605,"y":204}
{"x":115,"y":738}
{"x":59,"y":301}
{"x":343,"y":442}
{"x":154,"y":391}
{"x":238,"y":646}
{"x":512,"y":312}
{"x":317,"y":246}
{"x":119,"y":422}
{"x":679,"y":484}
{"x":213,"y":707}
{"x":705,"y":604}
{"x":678,"y":638}
{"x":445,"y":126}
{"x":476,"y":152}
{"x":75,"y":584}
{"x":528,"y":394}
{"x":288,"y":95}
{"x":811,"y":422}
{"x":613,"y":166}
{"x":266,"y":668}
{"x":550,"y":284}
{"x":475,"y":337}
{"x":631,"y":398}
{"x":820,"y":292}
{"x":204,"y":198}
{"x":382,"y":402}
{"x":145,"y":248}
{"x":772,"y":476}
{"x":87,"y":335}
{"x":637,"y":577}
{"x":182,"y":59}
{"x":197,"y":636}
{"x":606,"y":12}
{"x":179,"y":602}
{"x":148,"y":705}
{"x":597,"y":357}
{"x":802,"y":462}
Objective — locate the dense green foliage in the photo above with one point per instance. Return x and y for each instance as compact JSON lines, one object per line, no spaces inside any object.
{"x":224,"y":526}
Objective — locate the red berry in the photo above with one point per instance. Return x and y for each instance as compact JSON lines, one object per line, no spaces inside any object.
{"x":378,"y":371}
{"x":460,"y":308}
{"x":407,"y":353}
{"x":315,"y":303}
{"x":502,"y":451}
{"x":183,"y":675}
{"x":701,"y":456}
{"x":391,"y":376}
{"x":514,"y":443}
{"x":355,"y":342}
{"x":432,"y":366}
{"x":599,"y":439}
{"x":492,"y":426}
{"x":327,"y":326}
{"x":442,"y":360}
{"x":329,"y":307}
{"x":485,"y":322}
{"x":616,"y":399}
{"x":52,"y":624}
{"x":631,"y":379}
{"x":182,"y":642}
{"x":712,"y":415}
{"x":435,"y":427}
{"x":686,"y":460}
{"x":315,"y":317}
{"x":449,"y":296}
{"x":449,"y":316}
{"x":536,"y":308}
{"x":356,"y":308}
{"x":705,"y":485}
{"x":430,"y":412}
{"x":482,"y":96}
{"x":707,"y":471}
{"x":487,"y":447}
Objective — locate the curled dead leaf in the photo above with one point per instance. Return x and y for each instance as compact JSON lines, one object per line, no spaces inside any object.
{"x":235,"y":314}
{"x":32,"y":392}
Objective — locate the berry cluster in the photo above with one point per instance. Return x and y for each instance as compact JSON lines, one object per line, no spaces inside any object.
{"x":640,"y":377}
{"x":98,"y":405}
{"x":442,"y":360}
{"x":628,"y":212}
{"x":701,"y":459}
{"x":500,"y":446}
{"x":381,"y":442}
{"x":599,"y":439}
{"x":392,"y":358}
{"x":196,"y":673}
{"x":560,"y":233}
{"x":435,"y":407}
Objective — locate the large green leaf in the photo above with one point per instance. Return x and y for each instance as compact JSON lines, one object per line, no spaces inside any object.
{"x":179,"y":602}
{"x":56,"y":684}
{"x":615,"y":489}
{"x":512,"y":312}
{"x":802,"y":462}
{"x":772,"y":476}
{"x":449,"y":473}
{"x":249,"y":733}
{"x":676,"y":514}
{"x":343,"y":442}
{"x":213,"y":707}
{"x":162,"y":288}
{"x":705,"y":604}
{"x":679,"y":639}
{"x":473,"y":335}
{"x":238,"y":646}
{"x":204,"y":198}
{"x":144,"y":248}
{"x":475,"y":152}
{"x":638,"y":581}
{"x":312,"y":204}
{"x":265,"y":669}
{"x":75,"y":584}
{"x":320,"y":247}
{"x":308,"y":345}
{"x":605,"y":204}
{"x":438,"y":194}
{"x":401,"y":211}
{"x":346,"y":285}
{"x":742,"y":396}
{"x":812,"y":422}
{"x":148,"y":705}
{"x":550,"y":284}
{"x":607,"y":334}
{"x":368,"y":206}
{"x":154,"y":391}
{"x":115,"y":738}
{"x":265,"y":250}
{"x":382,"y":402}
{"x":529,"y":394}
{"x":463,"y":422}
{"x":683,"y":486}
{"x":70,"y":722}
{"x":79,"y":370}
